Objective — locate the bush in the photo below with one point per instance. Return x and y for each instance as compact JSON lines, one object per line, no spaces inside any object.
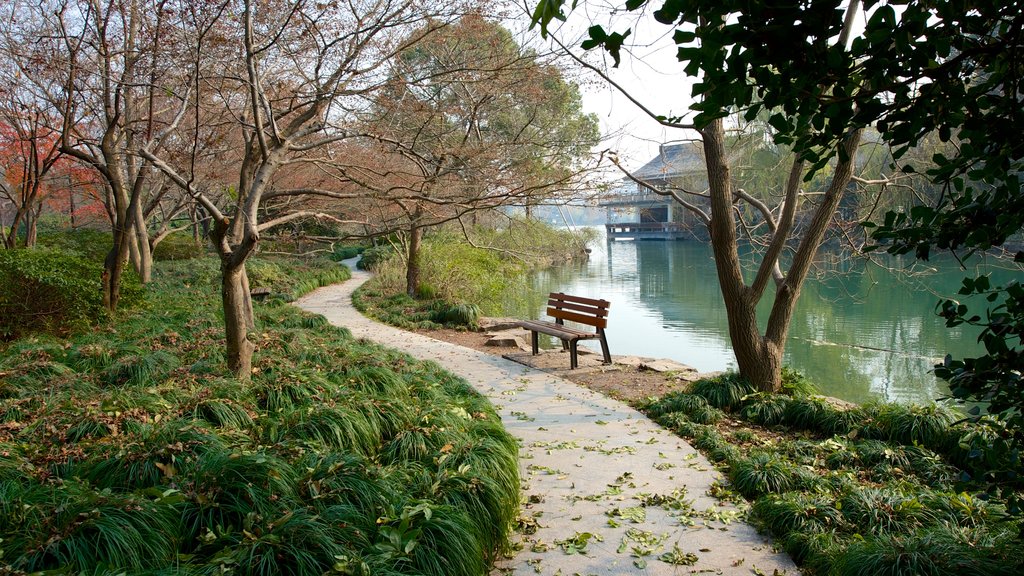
{"x":178,"y":247}
{"x":48,"y":291}
{"x":374,"y":256}
{"x":92,"y":245}
{"x":341,"y":252}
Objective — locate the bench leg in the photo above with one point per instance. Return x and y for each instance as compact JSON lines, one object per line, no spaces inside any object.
{"x":533,"y":342}
{"x":573,"y":358}
{"x":604,"y":349}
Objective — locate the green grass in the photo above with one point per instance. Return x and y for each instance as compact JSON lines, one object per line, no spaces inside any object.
{"x":876,"y":489}
{"x":129,"y":448}
{"x":460,"y":280}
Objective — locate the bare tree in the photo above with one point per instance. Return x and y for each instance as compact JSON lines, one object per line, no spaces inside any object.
{"x":109,"y":73}
{"x":470,"y":121}
{"x":29,"y":150}
{"x":290,"y":77}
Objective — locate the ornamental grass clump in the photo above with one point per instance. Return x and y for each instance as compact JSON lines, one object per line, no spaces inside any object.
{"x":766,"y":409}
{"x":941,"y":550}
{"x":696,"y":408}
{"x":725,"y":392}
{"x":762,"y":473}
{"x":797,"y":512}
{"x":337,"y":456}
{"x":873,"y":489}
{"x":911,"y":424}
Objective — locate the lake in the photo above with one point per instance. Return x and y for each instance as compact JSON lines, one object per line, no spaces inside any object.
{"x":860,"y":331}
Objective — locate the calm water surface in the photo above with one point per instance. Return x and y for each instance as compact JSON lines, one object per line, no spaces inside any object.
{"x":860,"y":331}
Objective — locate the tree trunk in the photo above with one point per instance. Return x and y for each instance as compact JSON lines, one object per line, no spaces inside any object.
{"x":144,"y":255}
{"x":412,"y":265}
{"x":11,"y":238}
{"x":238,"y":318}
{"x":113,"y":269}
{"x":759,"y":356}
{"x":32,"y":226}
{"x":759,"y":361}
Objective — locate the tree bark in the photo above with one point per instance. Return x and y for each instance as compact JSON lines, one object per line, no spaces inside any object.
{"x":113,"y":269}
{"x":759,"y":361}
{"x":144,"y":263}
{"x":238,"y":318}
{"x":412,"y":265}
{"x":759,"y":356}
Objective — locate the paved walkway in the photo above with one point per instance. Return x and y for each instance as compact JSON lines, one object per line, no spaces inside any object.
{"x":606,"y":491}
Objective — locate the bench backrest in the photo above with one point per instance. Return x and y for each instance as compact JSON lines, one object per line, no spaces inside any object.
{"x":576,"y":309}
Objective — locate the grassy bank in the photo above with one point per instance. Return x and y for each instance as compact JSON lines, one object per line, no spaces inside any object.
{"x":127,"y":450}
{"x":876,"y":489}
{"x":462,"y":279}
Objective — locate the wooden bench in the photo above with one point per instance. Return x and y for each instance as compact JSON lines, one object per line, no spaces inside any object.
{"x":564,"y":307}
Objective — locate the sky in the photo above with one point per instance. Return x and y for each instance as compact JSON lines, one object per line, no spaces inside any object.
{"x":649,"y":72}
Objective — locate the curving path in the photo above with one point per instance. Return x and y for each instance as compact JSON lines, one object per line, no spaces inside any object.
{"x":606,"y":491}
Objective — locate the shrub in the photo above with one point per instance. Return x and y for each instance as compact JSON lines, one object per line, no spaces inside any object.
{"x":178,"y":247}
{"x":342,"y":252}
{"x":374,"y":256}
{"x":47,"y":291}
{"x":91,"y":245}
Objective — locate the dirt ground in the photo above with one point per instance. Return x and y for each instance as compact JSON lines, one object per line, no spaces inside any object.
{"x":628,"y":379}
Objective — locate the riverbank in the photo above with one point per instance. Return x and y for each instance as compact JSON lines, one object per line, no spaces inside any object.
{"x":629,"y":381}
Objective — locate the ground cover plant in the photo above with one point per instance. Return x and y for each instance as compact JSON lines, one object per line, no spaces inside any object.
{"x":128,"y":449}
{"x":55,"y":287}
{"x":874,"y":489}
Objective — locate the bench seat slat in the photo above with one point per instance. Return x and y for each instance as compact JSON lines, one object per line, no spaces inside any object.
{"x":552,"y":329}
{"x":593,"y":310}
{"x":576,"y":317}
{"x":580,"y":300}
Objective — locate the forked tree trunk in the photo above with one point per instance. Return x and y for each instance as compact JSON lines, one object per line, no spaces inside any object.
{"x":142,"y":252}
{"x":759,"y":355}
